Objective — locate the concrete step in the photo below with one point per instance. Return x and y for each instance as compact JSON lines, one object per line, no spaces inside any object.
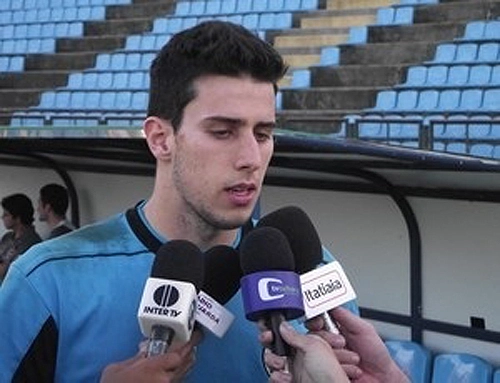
{"x":311,"y":38}
{"x":457,"y":11}
{"x":337,"y":21}
{"x":326,"y":98}
{"x":138,"y":10}
{"x":60,"y":61}
{"x":91,"y":43}
{"x":33,"y":80}
{"x":353,"y":4}
{"x":313,"y":121}
{"x":358,"y":75}
{"x":118,"y":27}
{"x":19,"y":99}
{"x":387,"y":53}
{"x":444,"y":31}
{"x":301,"y":60}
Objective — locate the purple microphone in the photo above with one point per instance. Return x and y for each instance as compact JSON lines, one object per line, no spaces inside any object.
{"x":270,"y":287}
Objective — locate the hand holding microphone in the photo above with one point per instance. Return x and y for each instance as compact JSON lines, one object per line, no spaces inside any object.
{"x":167,"y":310}
{"x":270,"y":287}
{"x":324,"y":288}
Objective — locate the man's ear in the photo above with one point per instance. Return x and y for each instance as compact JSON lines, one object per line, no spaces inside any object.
{"x":159,"y":136}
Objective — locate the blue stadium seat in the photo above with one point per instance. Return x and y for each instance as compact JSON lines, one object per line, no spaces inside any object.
{"x":461,"y":367}
{"x":480,"y":127}
{"x":458,"y":75}
{"x":492,"y":30}
{"x":437,"y":75}
{"x":417,"y":76}
{"x":243,"y":6}
{"x":491,"y":101}
{"x":407,"y":100}
{"x":479,"y":75}
{"x":385,"y":16}
{"x":428,"y":100}
{"x":386,"y":100}
{"x":228,"y":6}
{"x":488,"y":52}
{"x":445,"y":53}
{"x":496,"y":375}
{"x":456,"y":130}
{"x":213,"y":7}
{"x":403,"y":15}
{"x":466,"y":52}
{"x":301,"y":78}
{"x":370,"y":127}
{"x":458,"y":148}
{"x":481,"y":150}
{"x":471,"y":99}
{"x":449,"y":99}
{"x":329,"y":56}
{"x":474,"y":30}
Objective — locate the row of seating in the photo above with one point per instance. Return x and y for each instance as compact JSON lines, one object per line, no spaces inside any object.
{"x":421,"y":366}
{"x":251,"y":21}
{"x":40,"y":4}
{"x":123,"y":80}
{"x":464,"y":52}
{"x":43,"y":15}
{"x":452,"y":75}
{"x":11,"y":63}
{"x":41,"y":30}
{"x":122,"y":61}
{"x":66,"y":100}
{"x":482,"y":30}
{"x":26,"y":46}
{"x":432,"y":100}
{"x":216,"y":7}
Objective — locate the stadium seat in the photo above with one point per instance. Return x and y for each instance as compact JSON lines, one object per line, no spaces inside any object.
{"x":437,"y":75}
{"x":386,"y":100}
{"x":427,"y":100}
{"x":445,"y":53}
{"x":461,"y":367}
{"x":496,"y":375}
{"x":474,"y":30}
{"x":458,"y":75}
{"x":417,"y":76}
{"x":479,"y":75}
{"x":466,"y":52}
{"x":491,"y":101}
{"x":488,"y":52}
{"x":449,"y":99}
{"x":481,"y":150}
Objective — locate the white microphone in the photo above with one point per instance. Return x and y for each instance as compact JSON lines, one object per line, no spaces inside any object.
{"x":166,"y":313}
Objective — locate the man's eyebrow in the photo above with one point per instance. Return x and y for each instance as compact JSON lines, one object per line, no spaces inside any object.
{"x":239,"y":121}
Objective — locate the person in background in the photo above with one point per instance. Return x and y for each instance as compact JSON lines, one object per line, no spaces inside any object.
{"x":210,"y":127}
{"x":18,"y":219}
{"x":315,"y":361}
{"x":52,"y":206}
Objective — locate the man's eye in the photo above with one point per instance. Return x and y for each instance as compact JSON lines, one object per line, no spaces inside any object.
{"x":221,"y":133}
{"x":263,"y":136}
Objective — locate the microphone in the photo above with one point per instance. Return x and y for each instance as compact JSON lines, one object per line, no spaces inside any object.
{"x":222,"y":281}
{"x":323,"y":288}
{"x":270,"y":287}
{"x":167,"y":310}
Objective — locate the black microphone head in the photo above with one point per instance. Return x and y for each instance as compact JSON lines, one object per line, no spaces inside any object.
{"x":179,"y":260}
{"x":298,"y":228}
{"x":222,"y":273}
{"x":265,"y":249}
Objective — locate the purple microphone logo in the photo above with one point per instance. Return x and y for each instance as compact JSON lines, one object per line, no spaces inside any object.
{"x":270,"y":289}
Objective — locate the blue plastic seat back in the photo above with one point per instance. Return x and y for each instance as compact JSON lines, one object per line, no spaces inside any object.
{"x":461,"y":367}
{"x":414,"y":359}
{"x":496,"y":375}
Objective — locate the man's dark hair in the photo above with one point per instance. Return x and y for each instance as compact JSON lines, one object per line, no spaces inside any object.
{"x":56,"y":196}
{"x":19,"y":206}
{"x":209,"y":48}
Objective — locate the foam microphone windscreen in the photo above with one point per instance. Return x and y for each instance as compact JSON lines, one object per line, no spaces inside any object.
{"x":179,"y":260}
{"x":301,"y":234}
{"x":266,"y":248}
{"x":222,"y":273}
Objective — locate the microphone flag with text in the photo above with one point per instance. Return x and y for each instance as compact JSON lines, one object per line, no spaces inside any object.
{"x":222,"y":281}
{"x":167,"y":310}
{"x":324,"y":287}
{"x":270,"y":287}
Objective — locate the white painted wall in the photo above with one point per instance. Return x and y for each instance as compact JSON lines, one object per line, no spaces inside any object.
{"x":461,"y":245}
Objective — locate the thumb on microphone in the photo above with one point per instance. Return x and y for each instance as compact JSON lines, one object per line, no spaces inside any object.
{"x":313,"y":360}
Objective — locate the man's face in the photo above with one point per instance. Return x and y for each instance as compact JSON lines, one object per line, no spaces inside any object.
{"x":223,"y":148}
{"x":41,"y":210}
{"x":8,"y":220}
